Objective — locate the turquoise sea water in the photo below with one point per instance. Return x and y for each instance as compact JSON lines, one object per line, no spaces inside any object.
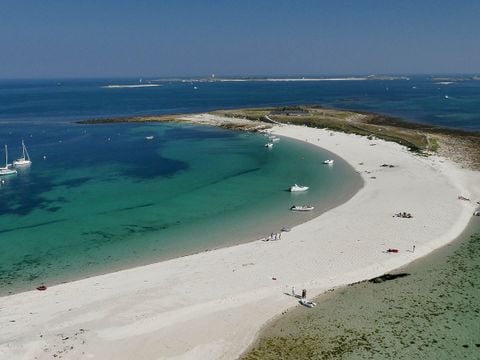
{"x":106,"y":198}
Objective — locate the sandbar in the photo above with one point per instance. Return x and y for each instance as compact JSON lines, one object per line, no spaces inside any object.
{"x":212,"y":304}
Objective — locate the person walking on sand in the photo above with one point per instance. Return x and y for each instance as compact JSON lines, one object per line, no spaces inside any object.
{"x":304,"y":293}
{"x":413,"y":248}
{"x":293,"y":290}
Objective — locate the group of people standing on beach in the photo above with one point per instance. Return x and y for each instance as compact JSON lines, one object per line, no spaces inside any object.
{"x":304,"y":293}
{"x":404,"y":215}
{"x":273,"y":236}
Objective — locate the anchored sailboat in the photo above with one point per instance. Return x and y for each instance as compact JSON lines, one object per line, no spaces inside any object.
{"x":25,"y":159}
{"x":7,"y":170}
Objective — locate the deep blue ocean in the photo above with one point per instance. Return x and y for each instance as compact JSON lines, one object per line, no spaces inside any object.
{"x":419,"y":99}
{"x":102,"y":197}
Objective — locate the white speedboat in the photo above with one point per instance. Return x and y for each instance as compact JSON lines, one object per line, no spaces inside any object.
{"x":269,"y":145}
{"x":307,"y":303}
{"x":25,"y":159}
{"x":149,"y":137}
{"x":297,"y":188}
{"x":302,"y":208}
{"x":274,"y":138}
{"x":6,"y":170}
{"x":328,"y":162}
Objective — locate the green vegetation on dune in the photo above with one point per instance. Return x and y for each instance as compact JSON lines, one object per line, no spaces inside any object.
{"x":335,"y":120}
{"x":460,"y":146}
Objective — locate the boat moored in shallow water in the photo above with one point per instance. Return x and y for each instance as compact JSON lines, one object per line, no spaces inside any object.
{"x":302,"y":208}
{"x":298,"y":188}
{"x":328,"y":162}
{"x":307,"y":303}
{"x":6,"y":170}
{"x":25,"y":159}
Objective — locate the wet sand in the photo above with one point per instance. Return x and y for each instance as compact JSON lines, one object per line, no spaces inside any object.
{"x":431,"y":311}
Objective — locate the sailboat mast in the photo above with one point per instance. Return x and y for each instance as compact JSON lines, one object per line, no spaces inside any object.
{"x":6,"y":155}
{"x":25,"y":152}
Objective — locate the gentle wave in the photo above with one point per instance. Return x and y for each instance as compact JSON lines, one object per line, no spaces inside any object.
{"x":129,"y":86}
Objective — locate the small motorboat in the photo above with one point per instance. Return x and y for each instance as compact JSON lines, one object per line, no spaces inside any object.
{"x":302,"y":208}
{"x":328,"y":162}
{"x":286,"y":229}
{"x":307,"y":303}
{"x":297,"y":188}
{"x":149,"y":137}
{"x":269,"y":145}
{"x":274,"y":138}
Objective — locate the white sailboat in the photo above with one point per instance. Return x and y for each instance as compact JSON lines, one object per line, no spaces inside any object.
{"x":7,"y":170}
{"x":25,"y":159}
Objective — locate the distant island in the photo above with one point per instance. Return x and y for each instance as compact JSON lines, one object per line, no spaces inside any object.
{"x":214,"y":78}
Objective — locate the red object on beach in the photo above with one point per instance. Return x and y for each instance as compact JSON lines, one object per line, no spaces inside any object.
{"x":41,"y":288}
{"x":393,"y":250}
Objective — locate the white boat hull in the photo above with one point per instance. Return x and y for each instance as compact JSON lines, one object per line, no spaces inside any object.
{"x":302,"y":208}
{"x":22,"y":162}
{"x":5,"y":172}
{"x":307,"y":303}
{"x":298,"y":188}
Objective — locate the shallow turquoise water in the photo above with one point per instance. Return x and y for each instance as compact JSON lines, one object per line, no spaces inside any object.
{"x":105,"y":198}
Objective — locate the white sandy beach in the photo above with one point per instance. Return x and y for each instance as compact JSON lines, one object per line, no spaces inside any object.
{"x":211,"y":305}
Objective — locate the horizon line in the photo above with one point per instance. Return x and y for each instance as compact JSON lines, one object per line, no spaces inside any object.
{"x":238,"y":76}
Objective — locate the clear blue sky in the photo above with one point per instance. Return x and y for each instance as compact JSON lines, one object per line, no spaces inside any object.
{"x":85,"y":38}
